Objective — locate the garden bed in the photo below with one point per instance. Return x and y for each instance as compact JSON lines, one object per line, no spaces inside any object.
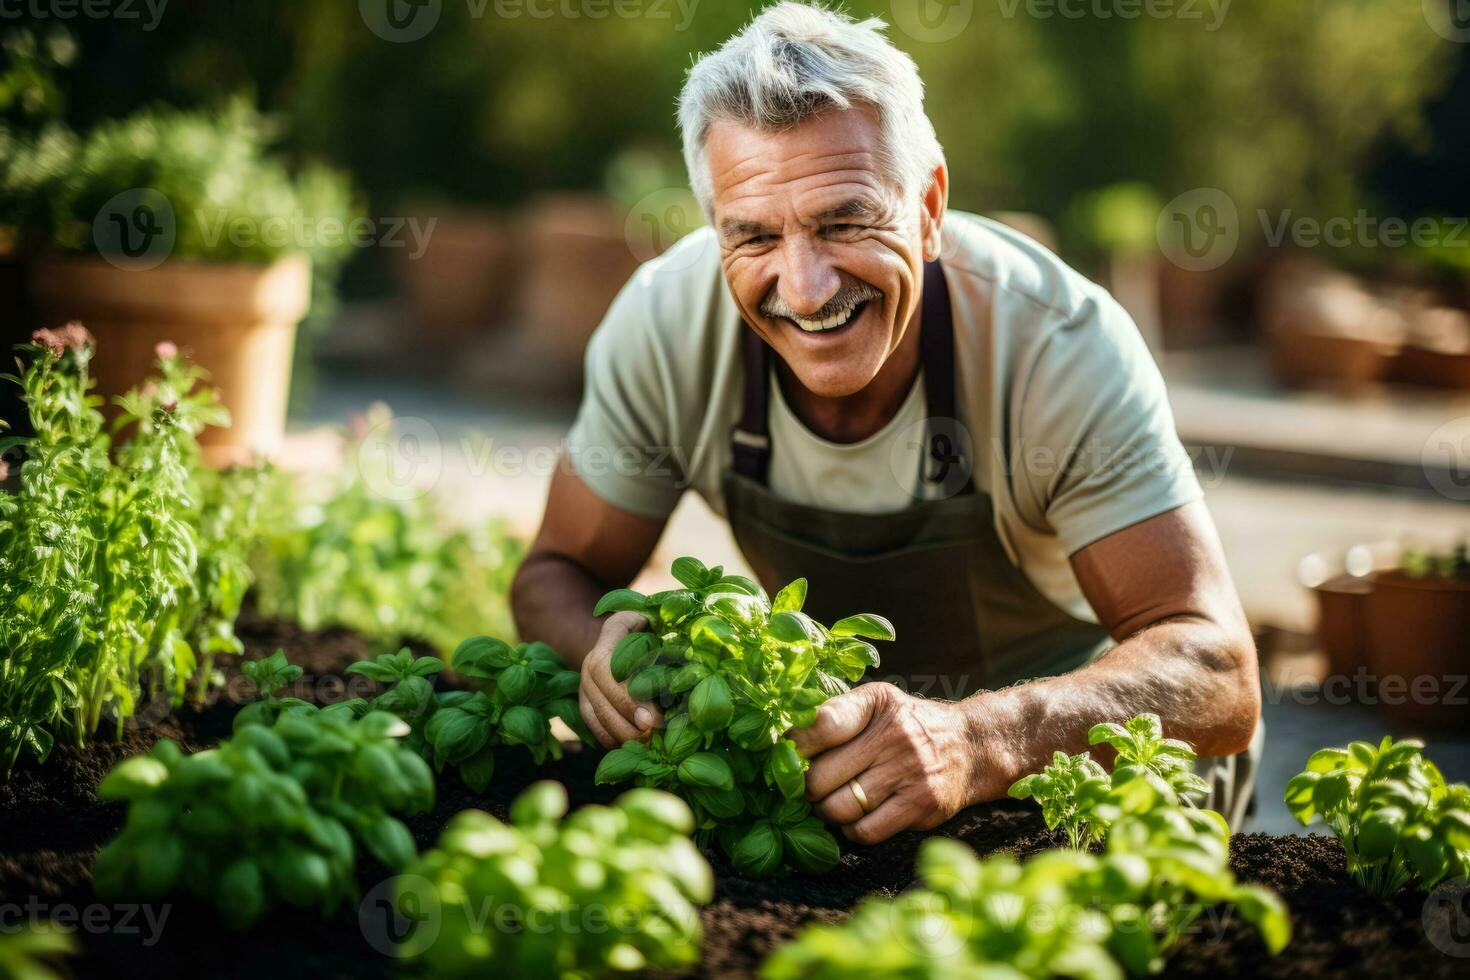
{"x":51,"y":827}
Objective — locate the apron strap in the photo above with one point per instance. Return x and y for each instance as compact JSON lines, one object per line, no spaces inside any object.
{"x":750,"y":442}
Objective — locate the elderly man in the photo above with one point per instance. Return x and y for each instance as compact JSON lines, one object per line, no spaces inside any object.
{"x":925,"y":413}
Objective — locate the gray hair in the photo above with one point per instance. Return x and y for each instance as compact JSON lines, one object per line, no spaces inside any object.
{"x":796,"y":60}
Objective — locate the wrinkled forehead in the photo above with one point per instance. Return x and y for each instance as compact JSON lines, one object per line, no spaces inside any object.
{"x":824,"y":168}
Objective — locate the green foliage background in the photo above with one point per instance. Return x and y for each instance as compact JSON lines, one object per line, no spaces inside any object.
{"x":1281,"y":104}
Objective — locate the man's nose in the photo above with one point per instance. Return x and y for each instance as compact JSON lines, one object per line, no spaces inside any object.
{"x":808,"y":278}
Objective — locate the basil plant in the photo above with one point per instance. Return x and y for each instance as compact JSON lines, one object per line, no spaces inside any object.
{"x":734,"y":671}
{"x":608,"y":889}
{"x":520,"y":689}
{"x":1397,"y":818}
{"x":274,"y":815}
{"x":1081,"y":798}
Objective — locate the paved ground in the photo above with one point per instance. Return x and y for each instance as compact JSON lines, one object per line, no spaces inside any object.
{"x":488,"y":448}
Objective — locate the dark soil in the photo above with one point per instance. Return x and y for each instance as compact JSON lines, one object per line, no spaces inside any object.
{"x":51,"y":827}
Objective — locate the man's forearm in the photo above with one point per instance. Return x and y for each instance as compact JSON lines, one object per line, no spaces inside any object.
{"x":552,"y":599}
{"x":1199,"y":678}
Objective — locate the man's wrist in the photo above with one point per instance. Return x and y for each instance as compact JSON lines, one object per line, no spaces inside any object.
{"x":994,"y":732}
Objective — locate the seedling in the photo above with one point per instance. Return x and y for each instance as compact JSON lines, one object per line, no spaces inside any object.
{"x":515,"y":900}
{"x":1080,"y":797}
{"x":273,"y":815}
{"x":735,"y":671}
{"x":1399,"y":822}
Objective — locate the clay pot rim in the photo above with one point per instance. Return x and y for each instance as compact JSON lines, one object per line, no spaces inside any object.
{"x":1396,"y":578}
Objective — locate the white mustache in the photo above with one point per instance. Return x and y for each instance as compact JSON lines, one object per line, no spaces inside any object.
{"x":846,"y":297}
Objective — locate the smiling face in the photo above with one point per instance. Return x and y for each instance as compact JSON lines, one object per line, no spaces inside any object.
{"x":823,"y":254}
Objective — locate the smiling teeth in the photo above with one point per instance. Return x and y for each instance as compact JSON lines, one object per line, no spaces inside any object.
{"x":830,"y":323}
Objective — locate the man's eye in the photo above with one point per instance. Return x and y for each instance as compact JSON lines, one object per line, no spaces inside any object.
{"x":843,"y":229}
{"x":757,"y":240}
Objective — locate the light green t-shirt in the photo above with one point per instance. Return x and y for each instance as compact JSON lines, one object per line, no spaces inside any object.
{"x":1071,"y":430}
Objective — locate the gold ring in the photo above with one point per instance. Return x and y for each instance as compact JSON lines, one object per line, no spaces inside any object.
{"x":858,"y":794}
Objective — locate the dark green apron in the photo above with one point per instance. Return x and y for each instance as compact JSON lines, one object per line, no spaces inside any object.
{"x":967,"y":618}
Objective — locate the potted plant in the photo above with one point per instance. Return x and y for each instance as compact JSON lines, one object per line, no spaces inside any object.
{"x":1418,"y":619}
{"x":173,"y":225}
{"x":1322,"y":327}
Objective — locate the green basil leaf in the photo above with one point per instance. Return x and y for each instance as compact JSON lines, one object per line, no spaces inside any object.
{"x":516,"y":682}
{"x":632,"y":653}
{"x":684,"y":678}
{"x":691,"y":573}
{"x":791,"y":598}
{"x":562,"y":684}
{"x":786,"y":769}
{"x":811,"y":850}
{"x":787,"y":627}
{"x":758,"y":851}
{"x":481,"y":656}
{"x":710,"y":706}
{"x":240,"y":894}
{"x":675,"y":606}
{"x":524,"y":725}
{"x":648,"y":683}
{"x":706,"y":769}
{"x":681,"y":737}
{"x":388,"y":840}
{"x":544,"y":802}
{"x":750,"y":729}
{"x":621,"y":600}
{"x":133,"y":778}
{"x":870,"y":625}
{"x":617,"y":766}
{"x":722,"y":804}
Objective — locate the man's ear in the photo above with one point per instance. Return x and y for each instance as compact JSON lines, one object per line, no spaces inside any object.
{"x":931,"y":212}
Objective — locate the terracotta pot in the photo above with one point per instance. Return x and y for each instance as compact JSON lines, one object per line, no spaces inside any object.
{"x":465,"y":280}
{"x":238,"y":321}
{"x":1301,"y":359}
{"x":1421,"y":366}
{"x":577,"y":259}
{"x":1342,"y":622}
{"x":1419,"y":630}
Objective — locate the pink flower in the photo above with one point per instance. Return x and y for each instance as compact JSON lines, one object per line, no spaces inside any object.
{"x":169,"y":406}
{"x":4,"y":470}
{"x":58,"y":340}
{"x":166,"y":350}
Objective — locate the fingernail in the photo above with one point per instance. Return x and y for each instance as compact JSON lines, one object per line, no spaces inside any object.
{"x":643,"y":718}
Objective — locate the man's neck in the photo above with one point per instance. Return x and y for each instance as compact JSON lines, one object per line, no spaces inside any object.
{"x":853,"y":418}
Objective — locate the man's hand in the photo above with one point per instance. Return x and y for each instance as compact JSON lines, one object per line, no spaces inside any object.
{"x":915,"y":760}
{"x":611,"y":715}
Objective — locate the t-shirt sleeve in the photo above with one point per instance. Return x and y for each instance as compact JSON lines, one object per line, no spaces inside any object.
{"x":1094,"y":450}
{"x":621,"y":444}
